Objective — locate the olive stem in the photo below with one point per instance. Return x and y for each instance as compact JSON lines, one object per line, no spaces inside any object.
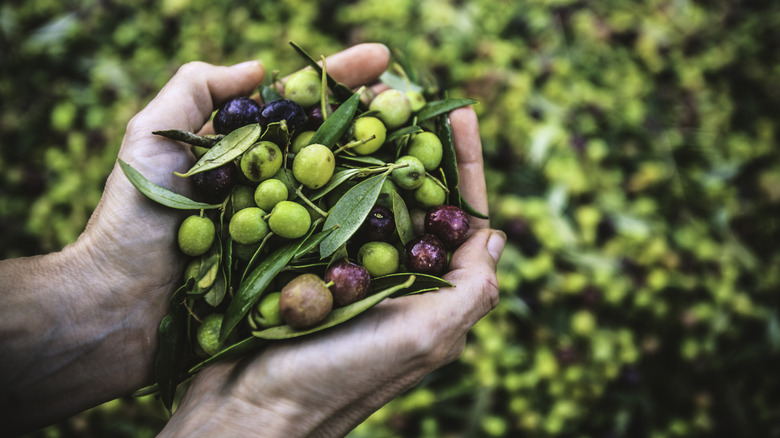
{"x":354,"y":143}
{"x":252,"y":260}
{"x":329,"y":284}
{"x":191,"y":312}
{"x":439,"y":183}
{"x":383,"y":169}
{"x":309,"y":203}
{"x":324,"y":87}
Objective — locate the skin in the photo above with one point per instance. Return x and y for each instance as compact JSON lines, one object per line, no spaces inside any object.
{"x":78,"y":327}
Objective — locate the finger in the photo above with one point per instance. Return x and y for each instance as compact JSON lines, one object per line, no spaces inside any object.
{"x":189,"y":98}
{"x":358,"y":65}
{"x":468,"y":151}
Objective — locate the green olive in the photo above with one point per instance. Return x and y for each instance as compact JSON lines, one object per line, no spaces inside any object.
{"x":196,"y":234}
{"x":430,"y":193}
{"x":301,"y":141}
{"x":379,"y":258}
{"x":411,"y":176}
{"x":247,"y":226}
{"x":393,"y":106}
{"x":269,"y":193}
{"x":304,"y":88}
{"x":242,"y":197}
{"x":365,"y":128}
{"x":427,"y":147}
{"x":261,"y":161}
{"x":313,"y":166}
{"x":208,"y":333}
{"x":289,"y":220}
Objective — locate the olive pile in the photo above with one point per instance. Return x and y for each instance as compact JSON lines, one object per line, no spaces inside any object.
{"x":313,"y":207}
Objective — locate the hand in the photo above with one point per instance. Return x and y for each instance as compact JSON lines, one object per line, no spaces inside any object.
{"x":325,"y":384}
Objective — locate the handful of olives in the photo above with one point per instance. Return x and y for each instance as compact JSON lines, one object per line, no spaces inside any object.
{"x":304,"y":216}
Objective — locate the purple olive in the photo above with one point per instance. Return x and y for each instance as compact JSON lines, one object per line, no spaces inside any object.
{"x":449,"y":223}
{"x":214,"y":185}
{"x":236,"y":113}
{"x":425,"y":254}
{"x":315,"y":118}
{"x":283,"y":109}
{"x":379,"y":225}
{"x":350,"y":282}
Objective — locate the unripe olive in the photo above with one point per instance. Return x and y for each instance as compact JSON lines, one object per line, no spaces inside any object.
{"x":266,"y":312}
{"x":303,"y":87}
{"x":393,"y":106}
{"x":261,"y":161}
{"x":411,"y":176}
{"x":430,"y":193}
{"x":289,"y":220}
{"x":379,"y":258}
{"x":416,"y":100}
{"x":243,"y":197}
{"x":196,"y":234}
{"x":301,"y":141}
{"x":247,"y":226}
{"x":305,"y":301}
{"x":269,"y":193}
{"x":365,"y":127}
{"x":427,"y":147}
{"x":208,"y":333}
{"x":313,"y":166}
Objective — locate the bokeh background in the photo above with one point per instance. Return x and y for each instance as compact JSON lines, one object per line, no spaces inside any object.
{"x":631,"y":153}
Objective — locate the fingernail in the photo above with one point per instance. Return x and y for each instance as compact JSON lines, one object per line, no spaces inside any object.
{"x":247,"y":64}
{"x":496,"y":244}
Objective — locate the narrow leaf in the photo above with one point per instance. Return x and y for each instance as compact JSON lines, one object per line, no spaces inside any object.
{"x":161,"y":195}
{"x":340,"y":91}
{"x":238,"y":349}
{"x":350,"y":211}
{"x":395,"y":135}
{"x":439,"y":107}
{"x":362,"y":159}
{"x":471,"y":210}
{"x":403,"y":221}
{"x":172,"y":347}
{"x":423,"y":282}
{"x":253,"y":286}
{"x":189,"y":137}
{"x":334,"y":127}
{"x":449,"y":162}
{"x":227,"y":149}
{"x":311,"y":243}
{"x":336,"y":316}
{"x":335,"y":181}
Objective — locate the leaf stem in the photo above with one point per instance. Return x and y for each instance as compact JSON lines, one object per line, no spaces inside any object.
{"x":309,"y":203}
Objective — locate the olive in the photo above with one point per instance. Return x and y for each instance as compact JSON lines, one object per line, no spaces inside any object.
{"x":208,"y":333}
{"x":379,"y":225}
{"x":365,"y":128}
{"x":393,"y":106}
{"x":411,"y":176}
{"x":269,"y":193}
{"x":430,"y":193}
{"x":350,"y":282}
{"x":379,"y":258}
{"x":236,"y":113}
{"x":313,"y":166}
{"x":214,"y":185}
{"x":247,"y":226}
{"x":425,"y":254}
{"x":283,"y":109}
{"x":449,"y":223}
{"x":427,"y":147}
{"x":261,"y":161}
{"x":289,"y":220}
{"x":196,"y":234}
{"x":315,"y":119}
{"x":305,"y":301}
{"x":303,"y":87}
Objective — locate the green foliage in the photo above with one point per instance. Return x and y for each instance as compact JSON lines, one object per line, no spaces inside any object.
{"x":631,"y":158}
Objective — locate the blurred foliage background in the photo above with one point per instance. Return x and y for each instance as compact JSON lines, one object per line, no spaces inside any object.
{"x":631,"y":152}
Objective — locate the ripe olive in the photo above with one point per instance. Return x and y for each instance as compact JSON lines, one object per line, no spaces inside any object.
{"x":427,"y":147}
{"x":379,"y":258}
{"x":411,"y":176}
{"x":449,"y":223}
{"x":305,"y":301}
{"x":247,"y":226}
{"x":425,"y":254}
{"x":313,"y":166}
{"x":430,"y":193}
{"x":365,"y":128}
{"x":196,"y":234}
{"x":350,"y":282}
{"x":303,"y":87}
{"x":283,"y":109}
{"x":236,"y":113}
{"x":261,"y":161}
{"x":393,"y":106}
{"x":289,"y":220}
{"x":269,"y":193}
{"x":214,"y":185}
{"x":379,"y":225}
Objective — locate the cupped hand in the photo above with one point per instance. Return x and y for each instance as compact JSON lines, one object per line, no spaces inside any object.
{"x":325,"y":384}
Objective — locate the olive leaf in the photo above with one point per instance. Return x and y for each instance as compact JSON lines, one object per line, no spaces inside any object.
{"x":350,"y":211}
{"x":393,"y":80}
{"x":311,"y":243}
{"x":398,"y":133}
{"x":269,"y":94}
{"x":226,"y":150}
{"x":340,"y":91}
{"x":403,"y":222}
{"x":335,"y":181}
{"x":439,"y":107}
{"x":172,"y":335}
{"x":216,"y":293}
{"x":207,"y":274}
{"x":334,"y":127}
{"x":449,"y":161}
{"x":161,"y":195}
{"x":363,"y":159}
{"x":336,"y":316}
{"x":471,"y":210}
{"x":424,"y":282}
{"x":234,"y":350}
{"x":189,"y":137}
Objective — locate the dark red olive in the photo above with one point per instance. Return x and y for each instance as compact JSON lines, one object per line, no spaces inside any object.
{"x":449,"y":223}
{"x":236,"y":113}
{"x":315,"y":118}
{"x":350,"y":282}
{"x":214,"y":185}
{"x":425,"y":254}
{"x":379,"y":225}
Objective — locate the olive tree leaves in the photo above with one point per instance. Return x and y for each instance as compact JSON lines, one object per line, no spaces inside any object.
{"x":160,"y":194}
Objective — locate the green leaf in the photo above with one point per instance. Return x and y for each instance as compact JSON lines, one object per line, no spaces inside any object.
{"x":362,"y":159}
{"x":439,"y":107}
{"x":172,"y":334}
{"x":253,"y":286}
{"x":350,"y":211}
{"x":393,"y":80}
{"x":424,"y":282}
{"x":471,"y":210}
{"x":159,"y":194}
{"x":311,"y":243}
{"x":395,"y":135}
{"x":207,"y":274}
{"x":237,"y":349}
{"x":403,"y":221}
{"x":269,"y":94}
{"x":336,"y":316}
{"x":337,"y":124}
{"x":340,"y":91}
{"x":190,"y":138}
{"x":336,"y":180}
{"x":449,"y":161}
{"x":227,"y":149}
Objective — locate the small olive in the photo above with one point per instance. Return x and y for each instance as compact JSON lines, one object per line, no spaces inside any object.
{"x":269,"y":193}
{"x":196,"y":234}
{"x":313,"y":166}
{"x":430,"y":193}
{"x":305,"y":301}
{"x":427,"y":147}
{"x":393,"y":106}
{"x":365,"y":128}
{"x":303,"y":87}
{"x":261,"y":161}
{"x":379,"y":258}
{"x":247,"y":226}
{"x":411,"y":176}
{"x":289,"y":220}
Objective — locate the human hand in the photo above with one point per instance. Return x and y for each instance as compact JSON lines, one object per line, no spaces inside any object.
{"x":325,"y":384}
